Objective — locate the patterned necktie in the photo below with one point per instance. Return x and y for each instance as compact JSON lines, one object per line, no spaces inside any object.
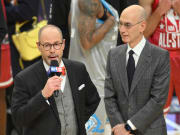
{"x":130,"y":68}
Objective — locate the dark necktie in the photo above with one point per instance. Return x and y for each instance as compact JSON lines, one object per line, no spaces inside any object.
{"x":130,"y":68}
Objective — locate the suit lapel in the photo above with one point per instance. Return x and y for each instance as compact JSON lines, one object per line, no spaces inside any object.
{"x":120,"y":61}
{"x":42,"y":76}
{"x":72,"y":81}
{"x":142,"y":65}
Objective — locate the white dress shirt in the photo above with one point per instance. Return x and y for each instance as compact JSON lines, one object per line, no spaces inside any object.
{"x":137,"y":51}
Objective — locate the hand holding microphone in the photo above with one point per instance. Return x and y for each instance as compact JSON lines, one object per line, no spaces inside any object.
{"x":53,"y":84}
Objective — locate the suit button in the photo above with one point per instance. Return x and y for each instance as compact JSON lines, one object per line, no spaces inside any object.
{"x":129,"y":108}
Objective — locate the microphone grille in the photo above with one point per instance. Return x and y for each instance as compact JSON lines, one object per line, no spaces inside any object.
{"x":54,"y":63}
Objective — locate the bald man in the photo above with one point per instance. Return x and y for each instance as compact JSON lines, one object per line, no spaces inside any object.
{"x":137,"y":80}
{"x":34,"y":106}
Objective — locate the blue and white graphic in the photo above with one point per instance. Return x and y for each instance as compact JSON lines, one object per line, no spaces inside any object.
{"x":94,"y":125}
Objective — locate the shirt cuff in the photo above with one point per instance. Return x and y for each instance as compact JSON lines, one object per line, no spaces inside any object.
{"x":45,"y":99}
{"x":131,"y":125}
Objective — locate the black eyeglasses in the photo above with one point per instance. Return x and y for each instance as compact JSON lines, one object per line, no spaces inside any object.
{"x":48,"y":46}
{"x":128,"y":25}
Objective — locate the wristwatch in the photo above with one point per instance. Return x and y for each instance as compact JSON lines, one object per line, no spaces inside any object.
{"x":127,"y":127}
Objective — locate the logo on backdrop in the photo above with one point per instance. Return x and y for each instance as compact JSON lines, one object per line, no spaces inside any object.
{"x":94,"y":125}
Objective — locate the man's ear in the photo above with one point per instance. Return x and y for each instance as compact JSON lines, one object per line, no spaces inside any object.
{"x":143,"y":26}
{"x":63,"y":43}
{"x":38,"y":46}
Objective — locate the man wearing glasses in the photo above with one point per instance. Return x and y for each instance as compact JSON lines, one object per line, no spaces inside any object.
{"x":34,"y":106}
{"x":137,"y":80}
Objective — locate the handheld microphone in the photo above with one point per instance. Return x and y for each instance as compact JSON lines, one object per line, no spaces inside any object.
{"x":55,"y":70}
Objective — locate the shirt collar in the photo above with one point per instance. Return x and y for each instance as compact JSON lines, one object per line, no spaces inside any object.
{"x":138,"y":48}
{"x":46,"y":66}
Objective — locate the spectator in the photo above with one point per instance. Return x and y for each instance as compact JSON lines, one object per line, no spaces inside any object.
{"x":20,"y":12}
{"x":3,"y":27}
{"x":163,"y":30}
{"x":94,"y":30}
{"x":5,"y":76}
{"x":119,"y":5}
{"x":59,"y":17}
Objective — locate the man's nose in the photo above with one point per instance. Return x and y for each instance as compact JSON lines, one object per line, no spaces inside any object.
{"x":52,"y":49}
{"x":122,"y":28}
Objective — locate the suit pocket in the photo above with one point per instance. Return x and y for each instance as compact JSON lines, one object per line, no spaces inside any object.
{"x":81,"y":87}
{"x":81,"y":93}
{"x":158,"y":123}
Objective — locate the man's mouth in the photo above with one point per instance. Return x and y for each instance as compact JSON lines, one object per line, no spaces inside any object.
{"x":52,"y":57}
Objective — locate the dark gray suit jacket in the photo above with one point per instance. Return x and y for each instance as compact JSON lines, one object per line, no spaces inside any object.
{"x":143,"y":105}
{"x":35,"y":116}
